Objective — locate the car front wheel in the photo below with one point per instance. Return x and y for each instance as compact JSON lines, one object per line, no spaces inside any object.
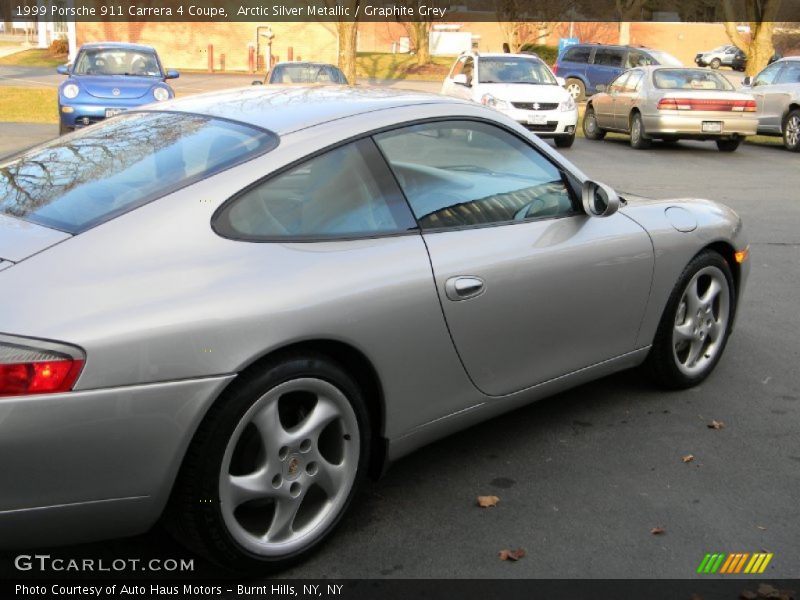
{"x":591,"y":129}
{"x":715,"y":64}
{"x":273,"y":466}
{"x":696,"y":323}
{"x":564,"y":141}
{"x":791,"y":131}
{"x":729,"y":145}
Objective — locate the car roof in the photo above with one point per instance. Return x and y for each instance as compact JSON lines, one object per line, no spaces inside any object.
{"x":284,"y":109}
{"x":119,"y":45}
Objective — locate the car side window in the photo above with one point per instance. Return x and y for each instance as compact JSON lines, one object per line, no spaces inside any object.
{"x":768,"y":75}
{"x":468,"y":69}
{"x":457,"y":67}
{"x":790,"y":72}
{"x":577,"y":55}
{"x":634,"y":81}
{"x":638,"y":59}
{"x":345,"y":192}
{"x":619,"y":83}
{"x":466,"y":174}
{"x":608,"y":57}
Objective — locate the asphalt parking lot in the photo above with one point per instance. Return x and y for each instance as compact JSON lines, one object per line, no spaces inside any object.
{"x":583,"y":477}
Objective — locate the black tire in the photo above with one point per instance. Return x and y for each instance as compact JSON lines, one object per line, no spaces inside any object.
{"x":195,"y":515}
{"x":791,"y":131}
{"x":715,"y":64}
{"x":564,"y":141}
{"x":63,"y":129}
{"x":662,"y":362}
{"x":729,"y":145}
{"x":669,"y":140}
{"x":576,"y":88}
{"x":592,"y":130}
{"x":639,"y":139}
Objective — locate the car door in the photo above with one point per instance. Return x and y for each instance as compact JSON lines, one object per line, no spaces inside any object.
{"x":766,"y":91}
{"x":782,"y":92}
{"x":531,"y":287}
{"x":626,"y":98}
{"x":728,"y":56}
{"x":604,"y":103}
{"x":606,"y":65}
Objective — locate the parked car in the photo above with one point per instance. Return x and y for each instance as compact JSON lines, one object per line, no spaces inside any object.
{"x":108,"y":78}
{"x":585,"y":66}
{"x":304,"y":73}
{"x":718,"y":57}
{"x":776,"y":90}
{"x":522,"y":87}
{"x":243,"y":332}
{"x":671,"y":104}
{"x":739,"y":62}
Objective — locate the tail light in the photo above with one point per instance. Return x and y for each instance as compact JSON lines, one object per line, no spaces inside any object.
{"x":555,"y":69}
{"x":29,"y":367}
{"x":707,"y":104}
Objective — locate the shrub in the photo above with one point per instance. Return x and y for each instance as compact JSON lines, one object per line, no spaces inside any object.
{"x":548,"y":54}
{"x":59,"y":47}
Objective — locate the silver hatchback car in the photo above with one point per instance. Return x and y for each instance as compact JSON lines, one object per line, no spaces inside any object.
{"x":233,"y":307}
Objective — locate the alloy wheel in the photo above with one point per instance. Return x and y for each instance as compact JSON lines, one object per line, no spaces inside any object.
{"x":792,"y":133}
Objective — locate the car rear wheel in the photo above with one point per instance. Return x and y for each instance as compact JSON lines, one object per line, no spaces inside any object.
{"x":714,"y":64}
{"x":791,"y":131}
{"x":576,"y":89}
{"x":639,"y":139}
{"x":273,"y":466}
{"x":564,"y":141}
{"x":729,"y":145}
{"x":591,"y":129}
{"x":696,"y":323}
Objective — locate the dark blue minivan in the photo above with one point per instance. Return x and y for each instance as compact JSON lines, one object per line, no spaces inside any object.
{"x":585,"y":66}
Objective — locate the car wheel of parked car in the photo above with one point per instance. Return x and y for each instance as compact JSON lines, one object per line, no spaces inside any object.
{"x":696,"y":323}
{"x":576,"y":89}
{"x":791,"y":131}
{"x":564,"y":141}
{"x":715,"y":64}
{"x":638,"y":136}
{"x":63,"y":129}
{"x":591,"y":129}
{"x":729,"y":145}
{"x":274,"y":464}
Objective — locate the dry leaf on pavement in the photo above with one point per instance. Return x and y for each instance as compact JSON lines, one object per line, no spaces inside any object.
{"x":716,"y":425}
{"x":657,"y":530}
{"x":687,"y":458}
{"x":488,"y":501}
{"x":512,"y":555}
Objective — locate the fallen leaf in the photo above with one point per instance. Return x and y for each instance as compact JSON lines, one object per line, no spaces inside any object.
{"x":761,"y":528}
{"x":657,"y":530}
{"x":716,"y":425}
{"x":767,"y":591}
{"x":512,"y":555}
{"x":748,"y":595}
{"x":488,"y":501}
{"x":687,"y":458}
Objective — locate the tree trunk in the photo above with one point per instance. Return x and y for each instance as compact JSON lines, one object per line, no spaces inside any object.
{"x":423,"y":42}
{"x":761,"y":15}
{"x":347,"y":49}
{"x":624,"y":33}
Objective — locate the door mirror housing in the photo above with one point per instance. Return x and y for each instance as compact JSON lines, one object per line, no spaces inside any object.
{"x":461,"y":79}
{"x":561,"y":81}
{"x":599,"y":200}
{"x":172,"y":74}
{"x":747,"y":82}
{"x":62,"y":69}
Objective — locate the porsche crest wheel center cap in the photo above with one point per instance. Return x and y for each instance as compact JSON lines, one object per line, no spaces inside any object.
{"x":293,"y":467}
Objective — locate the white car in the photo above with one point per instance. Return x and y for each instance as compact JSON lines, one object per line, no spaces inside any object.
{"x":520,"y":86}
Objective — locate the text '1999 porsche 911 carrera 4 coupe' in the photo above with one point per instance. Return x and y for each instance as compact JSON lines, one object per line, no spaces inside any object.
{"x":230,"y":308}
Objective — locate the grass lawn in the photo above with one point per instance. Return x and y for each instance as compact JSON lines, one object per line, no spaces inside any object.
{"x":379,"y":65}
{"x":28,"y":105}
{"x":37,"y":57}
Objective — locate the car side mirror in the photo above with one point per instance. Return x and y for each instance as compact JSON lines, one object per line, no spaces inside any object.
{"x":258,"y":82}
{"x":561,"y":81}
{"x":601,"y":88}
{"x":171,"y":74}
{"x":747,"y":81}
{"x":461,"y":79}
{"x":599,"y":200}
{"x":62,"y":69}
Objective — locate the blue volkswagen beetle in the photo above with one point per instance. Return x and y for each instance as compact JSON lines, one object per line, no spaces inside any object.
{"x":108,"y":78}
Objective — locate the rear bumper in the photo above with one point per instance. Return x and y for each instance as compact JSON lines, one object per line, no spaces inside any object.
{"x":96,"y":464}
{"x":678,"y":123}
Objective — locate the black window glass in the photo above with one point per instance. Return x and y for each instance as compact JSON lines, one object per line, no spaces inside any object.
{"x":790,"y":72}
{"x":105,"y":170}
{"x":577,"y":55}
{"x":346,"y":192}
{"x":117,"y":61}
{"x":460,"y":174}
{"x":608,"y":57}
{"x":306,"y":73}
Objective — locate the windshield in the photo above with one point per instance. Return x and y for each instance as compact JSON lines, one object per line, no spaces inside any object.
{"x":81,"y":180}
{"x":115,"y":61}
{"x":665,"y":59}
{"x":307,"y":74}
{"x":690,"y":79}
{"x":515,"y":69}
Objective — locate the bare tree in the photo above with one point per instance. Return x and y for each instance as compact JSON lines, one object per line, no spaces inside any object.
{"x":628,"y":10}
{"x":520,"y":27}
{"x":347,"y":32}
{"x":758,"y":46}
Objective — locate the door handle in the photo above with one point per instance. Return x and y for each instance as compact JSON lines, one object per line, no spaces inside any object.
{"x":463,"y":287}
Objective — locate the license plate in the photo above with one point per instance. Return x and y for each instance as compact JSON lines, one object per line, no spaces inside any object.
{"x":712,"y":126}
{"x":534,"y":119}
{"x":110,"y":112}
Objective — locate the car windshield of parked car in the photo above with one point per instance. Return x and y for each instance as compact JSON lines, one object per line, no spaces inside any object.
{"x":514,"y":70}
{"x":117,"y":62}
{"x":690,"y":79}
{"x":664,"y":58}
{"x":307,"y":74}
{"x":78,"y":181}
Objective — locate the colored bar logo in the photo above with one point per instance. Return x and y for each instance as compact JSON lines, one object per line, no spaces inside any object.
{"x":732,"y":564}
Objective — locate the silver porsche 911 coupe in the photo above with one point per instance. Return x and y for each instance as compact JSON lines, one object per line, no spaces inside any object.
{"x":231,"y":308}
